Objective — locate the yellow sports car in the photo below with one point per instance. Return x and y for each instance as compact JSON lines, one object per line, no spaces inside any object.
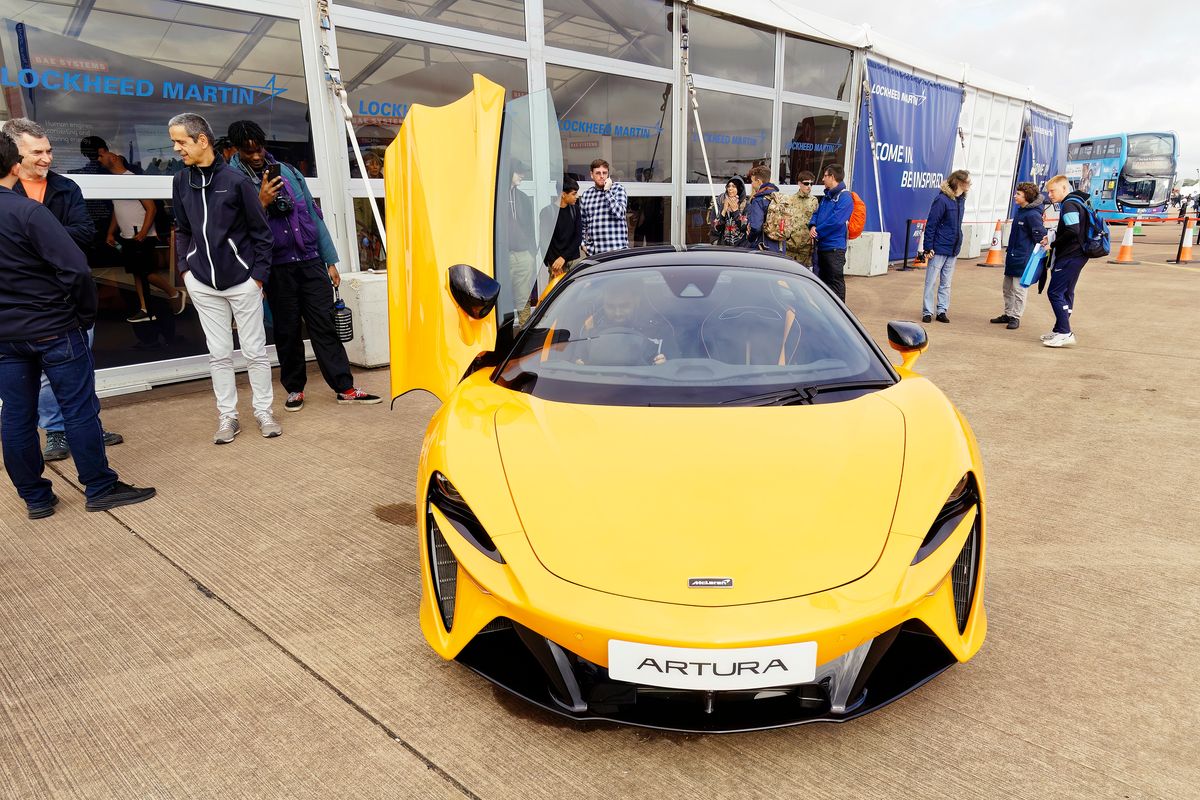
{"x":689,"y":492}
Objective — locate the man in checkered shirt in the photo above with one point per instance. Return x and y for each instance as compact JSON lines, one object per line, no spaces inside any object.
{"x":603,"y":206}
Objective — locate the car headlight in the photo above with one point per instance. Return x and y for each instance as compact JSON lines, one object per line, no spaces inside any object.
{"x":962,"y":499}
{"x":446,"y":499}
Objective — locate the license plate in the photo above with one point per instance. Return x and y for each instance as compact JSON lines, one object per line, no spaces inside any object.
{"x":712,"y":668}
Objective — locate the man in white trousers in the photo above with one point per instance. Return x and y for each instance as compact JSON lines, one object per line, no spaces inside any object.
{"x":223,"y":252}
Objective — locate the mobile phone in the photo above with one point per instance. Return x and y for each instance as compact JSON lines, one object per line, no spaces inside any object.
{"x":272,"y":172}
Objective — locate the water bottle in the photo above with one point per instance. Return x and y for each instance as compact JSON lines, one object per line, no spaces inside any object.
{"x":343,"y":319}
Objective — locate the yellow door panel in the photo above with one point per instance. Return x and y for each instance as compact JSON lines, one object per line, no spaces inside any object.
{"x":440,"y":179}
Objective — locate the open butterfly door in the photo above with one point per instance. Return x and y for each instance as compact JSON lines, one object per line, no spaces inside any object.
{"x":464,"y":237}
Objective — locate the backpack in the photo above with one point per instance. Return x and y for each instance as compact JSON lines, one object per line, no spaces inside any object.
{"x":858,"y":218}
{"x":1095,"y":242}
{"x":776,"y":225}
{"x":797,"y":220}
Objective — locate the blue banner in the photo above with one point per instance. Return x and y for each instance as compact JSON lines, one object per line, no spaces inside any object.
{"x":907,"y":130}
{"x":1043,"y":148}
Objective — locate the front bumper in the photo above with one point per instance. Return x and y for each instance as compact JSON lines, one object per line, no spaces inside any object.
{"x":862,"y":680}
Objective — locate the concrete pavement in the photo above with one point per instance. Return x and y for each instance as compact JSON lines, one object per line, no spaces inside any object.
{"x":252,"y":632}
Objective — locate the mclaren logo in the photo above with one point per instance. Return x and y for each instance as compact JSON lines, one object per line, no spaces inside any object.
{"x":710,"y":583}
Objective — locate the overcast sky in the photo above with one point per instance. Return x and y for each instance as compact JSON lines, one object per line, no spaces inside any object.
{"x":1136,"y":67}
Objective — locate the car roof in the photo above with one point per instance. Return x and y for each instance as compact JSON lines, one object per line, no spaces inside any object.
{"x":690,"y":256}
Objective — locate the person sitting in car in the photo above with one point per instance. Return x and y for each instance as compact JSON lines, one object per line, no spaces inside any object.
{"x":626,"y":330}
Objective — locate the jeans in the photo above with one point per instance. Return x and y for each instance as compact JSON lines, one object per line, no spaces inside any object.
{"x":50,"y":416}
{"x":66,"y":360}
{"x":937,"y":284}
{"x":1064,"y":274}
{"x":831,"y":268}
{"x":216,"y":309}
{"x":302,"y":291}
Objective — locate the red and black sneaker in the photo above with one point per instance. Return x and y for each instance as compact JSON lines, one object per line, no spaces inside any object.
{"x":356,"y":396}
{"x":294,"y":402}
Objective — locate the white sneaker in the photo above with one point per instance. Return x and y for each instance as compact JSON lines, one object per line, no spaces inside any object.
{"x":1060,"y":340}
{"x":267,"y":424}
{"x":1048,"y":336}
{"x":226,"y":430}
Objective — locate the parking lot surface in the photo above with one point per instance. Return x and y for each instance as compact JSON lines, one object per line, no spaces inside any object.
{"x":252,"y":631}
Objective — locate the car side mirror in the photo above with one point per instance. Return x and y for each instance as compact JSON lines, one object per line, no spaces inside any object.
{"x":474,"y":292}
{"x":909,"y":339}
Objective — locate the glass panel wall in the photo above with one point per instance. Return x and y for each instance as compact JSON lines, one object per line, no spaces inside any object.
{"x":103,"y":78}
{"x":385,"y":75}
{"x":737,"y":134}
{"x":822,"y":70}
{"x":625,"y":121}
{"x":631,"y":30}
{"x":725,"y":49}
{"x":649,"y":221}
{"x":499,"y":17}
{"x":812,"y":138}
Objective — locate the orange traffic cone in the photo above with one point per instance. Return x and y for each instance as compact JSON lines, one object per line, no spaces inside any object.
{"x":995,"y":256}
{"x":1125,"y":254}
{"x":1185,"y":249}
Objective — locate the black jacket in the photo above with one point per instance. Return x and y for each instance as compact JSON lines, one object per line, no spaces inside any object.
{"x":221,"y":232}
{"x":1072,"y":226}
{"x":46,"y":288}
{"x":567,"y":236}
{"x":65,"y":201}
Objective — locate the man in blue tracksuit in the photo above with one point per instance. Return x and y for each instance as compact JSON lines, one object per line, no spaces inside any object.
{"x":756,"y":211}
{"x":223,"y":252}
{"x":1068,"y":258}
{"x":47,"y":301}
{"x":943,"y":240}
{"x":828,"y":229}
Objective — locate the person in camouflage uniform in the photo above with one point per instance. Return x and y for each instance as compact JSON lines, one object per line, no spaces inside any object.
{"x":801,"y":207}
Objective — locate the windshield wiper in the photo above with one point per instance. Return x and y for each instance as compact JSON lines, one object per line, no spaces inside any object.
{"x":805,"y":395}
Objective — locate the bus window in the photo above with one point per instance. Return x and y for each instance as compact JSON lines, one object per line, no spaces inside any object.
{"x":1073,"y":151}
{"x":1085,"y":150}
{"x":1112,"y":148}
{"x":1142,"y":145}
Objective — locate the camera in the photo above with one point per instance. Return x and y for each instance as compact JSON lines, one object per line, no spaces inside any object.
{"x":281,"y":206}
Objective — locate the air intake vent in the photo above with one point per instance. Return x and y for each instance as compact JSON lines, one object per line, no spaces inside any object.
{"x":497,"y":625}
{"x":445,"y":571}
{"x":964,"y":576}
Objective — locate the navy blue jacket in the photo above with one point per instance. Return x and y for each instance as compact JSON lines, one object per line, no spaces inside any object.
{"x":756,"y":220}
{"x":221,"y":232}
{"x":1027,"y":230}
{"x":943,"y":228}
{"x":46,"y":288}
{"x":833,"y":213}
{"x":65,"y":201}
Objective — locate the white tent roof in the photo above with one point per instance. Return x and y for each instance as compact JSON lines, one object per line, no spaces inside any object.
{"x":779,"y":14}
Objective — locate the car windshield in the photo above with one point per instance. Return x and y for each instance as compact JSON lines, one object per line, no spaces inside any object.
{"x":694,"y":335}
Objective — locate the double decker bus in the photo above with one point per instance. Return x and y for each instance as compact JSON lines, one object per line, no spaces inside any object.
{"x":1125,"y":172}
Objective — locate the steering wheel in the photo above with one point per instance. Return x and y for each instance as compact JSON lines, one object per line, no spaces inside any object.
{"x":630,"y":352}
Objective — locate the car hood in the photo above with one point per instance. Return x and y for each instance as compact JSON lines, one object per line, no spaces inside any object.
{"x":784,"y":501}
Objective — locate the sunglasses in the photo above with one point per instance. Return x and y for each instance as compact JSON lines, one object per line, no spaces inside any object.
{"x":806,"y":183}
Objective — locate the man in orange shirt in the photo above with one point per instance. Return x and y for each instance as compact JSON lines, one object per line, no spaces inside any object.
{"x":63,"y":198}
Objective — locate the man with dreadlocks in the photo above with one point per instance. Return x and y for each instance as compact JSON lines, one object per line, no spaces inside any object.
{"x":303,"y":265}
